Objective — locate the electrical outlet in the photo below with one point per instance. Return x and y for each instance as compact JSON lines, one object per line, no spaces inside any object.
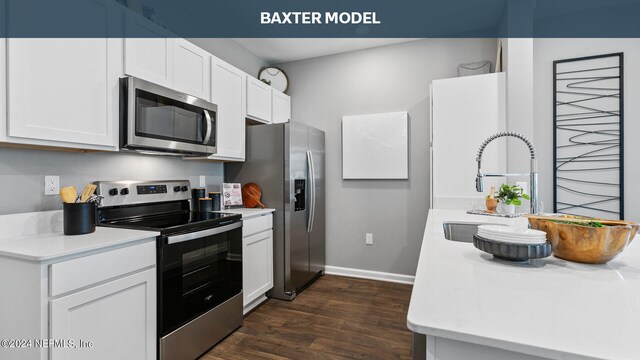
{"x":51,"y":185}
{"x":368,"y":239}
{"x":203,"y":181}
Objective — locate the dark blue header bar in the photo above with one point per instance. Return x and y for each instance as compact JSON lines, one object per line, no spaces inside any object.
{"x":320,"y":18}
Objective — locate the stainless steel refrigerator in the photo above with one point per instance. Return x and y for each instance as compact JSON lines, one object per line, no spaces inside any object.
{"x":287,"y":162}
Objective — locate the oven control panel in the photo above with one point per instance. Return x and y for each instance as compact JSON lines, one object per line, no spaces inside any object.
{"x":118,"y":193}
{"x":151,"y":189}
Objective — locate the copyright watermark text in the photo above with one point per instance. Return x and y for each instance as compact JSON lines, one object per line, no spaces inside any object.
{"x":45,"y":343}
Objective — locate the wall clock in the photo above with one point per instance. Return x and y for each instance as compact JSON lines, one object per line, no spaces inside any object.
{"x":276,"y":76}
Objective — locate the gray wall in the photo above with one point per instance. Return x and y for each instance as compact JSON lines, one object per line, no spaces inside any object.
{"x":22,"y":174}
{"x":385,"y":79}
{"x":548,"y":50}
{"x":231,"y":52}
{"x":22,"y":171}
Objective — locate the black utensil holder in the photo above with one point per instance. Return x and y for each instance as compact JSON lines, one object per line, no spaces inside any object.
{"x":198,"y":193}
{"x":204,"y":205}
{"x":79,"y":218}
{"x":216,"y":198}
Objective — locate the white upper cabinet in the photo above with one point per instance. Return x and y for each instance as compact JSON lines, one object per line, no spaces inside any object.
{"x":280,"y":107}
{"x":228,"y":91}
{"x":190,"y":69}
{"x":64,"y":90}
{"x":160,"y":58}
{"x":3,"y":89}
{"x":149,"y":58}
{"x":258,"y":100}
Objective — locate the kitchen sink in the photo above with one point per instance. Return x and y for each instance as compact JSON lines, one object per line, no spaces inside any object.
{"x":462,"y":232}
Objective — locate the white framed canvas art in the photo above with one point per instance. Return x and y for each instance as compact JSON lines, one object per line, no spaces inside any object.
{"x":375,"y":146}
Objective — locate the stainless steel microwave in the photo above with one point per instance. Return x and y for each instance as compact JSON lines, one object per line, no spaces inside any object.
{"x":154,"y":119}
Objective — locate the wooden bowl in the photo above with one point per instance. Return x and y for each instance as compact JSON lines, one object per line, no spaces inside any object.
{"x":586,"y":244}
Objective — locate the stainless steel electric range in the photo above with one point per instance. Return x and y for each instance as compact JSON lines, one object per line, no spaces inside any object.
{"x":199,"y":261}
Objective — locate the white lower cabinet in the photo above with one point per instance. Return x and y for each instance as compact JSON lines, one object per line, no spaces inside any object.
{"x":97,"y":306}
{"x":258,"y":255}
{"x":108,"y":299}
{"x":257,"y":259}
{"x":115,"y":320}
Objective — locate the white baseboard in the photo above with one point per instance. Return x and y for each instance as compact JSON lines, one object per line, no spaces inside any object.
{"x":369,"y":274}
{"x":252,"y":305}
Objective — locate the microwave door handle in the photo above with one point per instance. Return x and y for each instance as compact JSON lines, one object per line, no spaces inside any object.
{"x":207,"y":135}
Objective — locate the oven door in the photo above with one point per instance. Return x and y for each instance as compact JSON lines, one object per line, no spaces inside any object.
{"x":160,"y":119}
{"x":197,"y":272}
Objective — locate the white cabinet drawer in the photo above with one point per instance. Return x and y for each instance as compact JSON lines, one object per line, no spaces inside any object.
{"x":77,"y":273}
{"x":256,"y":225}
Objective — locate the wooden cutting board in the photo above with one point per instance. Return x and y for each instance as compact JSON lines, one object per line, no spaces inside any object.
{"x":251,"y":195}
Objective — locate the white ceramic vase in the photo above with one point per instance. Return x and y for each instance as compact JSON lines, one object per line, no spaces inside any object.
{"x":507,"y":209}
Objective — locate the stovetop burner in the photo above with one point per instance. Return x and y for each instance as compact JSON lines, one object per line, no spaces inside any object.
{"x":156,"y":206}
{"x":175,"y":222}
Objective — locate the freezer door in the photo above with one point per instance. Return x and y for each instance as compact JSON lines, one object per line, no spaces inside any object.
{"x":317,"y":226}
{"x":298,"y":237}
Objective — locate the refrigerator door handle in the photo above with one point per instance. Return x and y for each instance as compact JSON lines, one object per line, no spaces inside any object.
{"x":312,"y":191}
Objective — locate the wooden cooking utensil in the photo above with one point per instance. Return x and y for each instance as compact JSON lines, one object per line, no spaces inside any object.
{"x":68,"y":194}
{"x":88,"y":191}
{"x":251,"y":194}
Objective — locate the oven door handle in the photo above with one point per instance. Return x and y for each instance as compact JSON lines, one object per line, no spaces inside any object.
{"x":199,"y":234}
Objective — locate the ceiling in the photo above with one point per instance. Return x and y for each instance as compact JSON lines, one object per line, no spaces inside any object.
{"x":275,"y":51}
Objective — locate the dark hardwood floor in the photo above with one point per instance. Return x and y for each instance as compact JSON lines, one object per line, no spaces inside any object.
{"x":335,"y":318}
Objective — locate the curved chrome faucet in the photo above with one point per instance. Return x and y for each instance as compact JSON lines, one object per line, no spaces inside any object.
{"x":533,"y":174}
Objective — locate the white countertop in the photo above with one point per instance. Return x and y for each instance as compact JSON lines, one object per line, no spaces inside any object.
{"x":39,"y":237}
{"x":47,"y":246}
{"x":548,"y":307}
{"x":246,"y":212}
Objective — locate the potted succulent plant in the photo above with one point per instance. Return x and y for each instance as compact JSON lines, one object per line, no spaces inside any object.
{"x":509,"y":196}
